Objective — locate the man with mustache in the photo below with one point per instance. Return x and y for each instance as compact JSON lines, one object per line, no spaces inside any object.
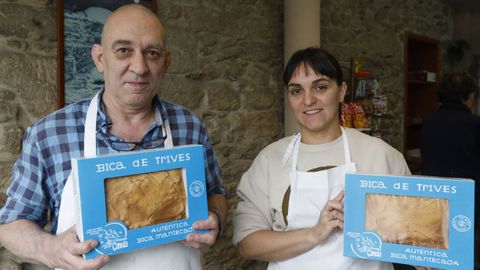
{"x":127,"y":115}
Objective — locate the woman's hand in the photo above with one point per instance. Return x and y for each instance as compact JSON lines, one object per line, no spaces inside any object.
{"x":331,"y":218}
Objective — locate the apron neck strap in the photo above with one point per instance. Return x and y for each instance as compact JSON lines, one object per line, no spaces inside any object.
{"x":291,"y":145}
{"x":90,"y":137}
{"x":169,"y":141}
{"x":346,"y":146}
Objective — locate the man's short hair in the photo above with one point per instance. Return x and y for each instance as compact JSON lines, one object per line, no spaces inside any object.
{"x":455,"y":87}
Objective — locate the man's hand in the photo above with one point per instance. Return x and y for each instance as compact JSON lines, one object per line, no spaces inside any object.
{"x":200,"y":240}
{"x":67,"y":251}
{"x":30,"y":242}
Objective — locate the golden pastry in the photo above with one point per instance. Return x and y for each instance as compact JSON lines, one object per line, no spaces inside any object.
{"x":406,"y":220}
{"x":146,"y":199}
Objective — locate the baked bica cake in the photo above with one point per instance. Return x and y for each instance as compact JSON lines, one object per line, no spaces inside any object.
{"x":408,"y":220}
{"x":146,"y":199}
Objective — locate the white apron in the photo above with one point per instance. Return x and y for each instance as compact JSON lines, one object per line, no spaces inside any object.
{"x":309,"y":193}
{"x":169,"y":256}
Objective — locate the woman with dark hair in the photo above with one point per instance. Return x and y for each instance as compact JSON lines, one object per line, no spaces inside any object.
{"x":450,"y":142}
{"x":290,"y":210}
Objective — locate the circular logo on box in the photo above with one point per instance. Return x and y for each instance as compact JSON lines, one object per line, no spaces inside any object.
{"x":461,"y":223}
{"x":112,"y":238}
{"x":196,"y":188}
{"x":367,"y":244}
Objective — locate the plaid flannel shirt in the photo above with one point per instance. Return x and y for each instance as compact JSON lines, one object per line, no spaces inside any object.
{"x":43,"y":167}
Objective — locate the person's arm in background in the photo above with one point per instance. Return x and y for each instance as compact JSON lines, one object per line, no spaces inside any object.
{"x":30,"y":242}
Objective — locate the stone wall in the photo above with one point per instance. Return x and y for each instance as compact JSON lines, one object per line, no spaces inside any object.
{"x":374,"y":29}
{"x":227,"y":63}
{"x":27,"y":83}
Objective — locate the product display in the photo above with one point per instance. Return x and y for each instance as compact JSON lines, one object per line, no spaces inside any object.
{"x":139,"y":199}
{"x":347,"y":114}
{"x":353,"y":115}
{"x":365,"y":104}
{"x":415,"y":220}
{"x":146,"y":199}
{"x":408,"y":220}
{"x":359,"y":117}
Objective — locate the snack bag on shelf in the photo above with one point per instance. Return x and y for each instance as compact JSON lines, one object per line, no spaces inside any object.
{"x":367,"y":106}
{"x":346,"y":118}
{"x":377,"y":90}
{"x":370,"y":87}
{"x":379,"y":104}
{"x":360,"y":90}
{"x":359,"y":118}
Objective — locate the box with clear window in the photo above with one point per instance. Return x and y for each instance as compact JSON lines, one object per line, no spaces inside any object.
{"x":139,"y":199}
{"x":415,"y":220}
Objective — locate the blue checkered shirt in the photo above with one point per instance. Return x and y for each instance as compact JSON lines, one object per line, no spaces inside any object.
{"x":43,"y":167}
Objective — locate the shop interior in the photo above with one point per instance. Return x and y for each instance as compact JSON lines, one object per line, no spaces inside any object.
{"x":391,"y":104}
{"x":228,"y":57}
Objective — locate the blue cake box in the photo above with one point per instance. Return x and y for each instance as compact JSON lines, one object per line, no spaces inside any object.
{"x":114,"y":236}
{"x":415,"y":220}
